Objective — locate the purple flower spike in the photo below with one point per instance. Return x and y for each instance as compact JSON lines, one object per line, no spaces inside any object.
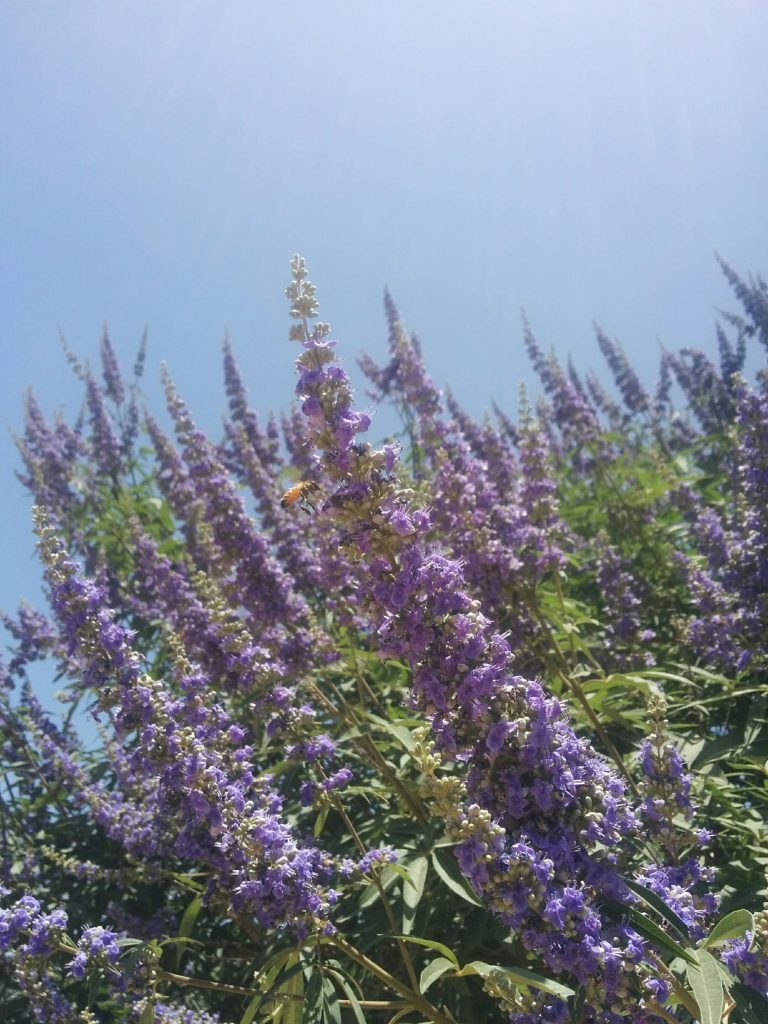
{"x":538,"y":816}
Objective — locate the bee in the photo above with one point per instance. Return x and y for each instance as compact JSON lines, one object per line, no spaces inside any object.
{"x":303,"y":493}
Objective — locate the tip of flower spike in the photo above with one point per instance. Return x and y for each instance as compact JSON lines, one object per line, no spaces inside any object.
{"x":302,"y":295}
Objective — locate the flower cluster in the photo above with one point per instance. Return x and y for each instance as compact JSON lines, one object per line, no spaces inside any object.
{"x":308,"y":664}
{"x":33,"y":936}
{"x":496,"y":513}
{"x":668,"y":812}
{"x":728,"y":578}
{"x":747,"y":958}
{"x":539,"y":809}
{"x":95,"y":946}
{"x":190,"y":775}
{"x":626,"y":639}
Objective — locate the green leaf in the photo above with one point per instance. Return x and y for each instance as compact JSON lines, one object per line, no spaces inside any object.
{"x":294,"y":1007}
{"x":658,"y":904}
{"x":351,"y":995}
{"x":670,"y":676}
{"x":285,"y":1002}
{"x":136,"y":952}
{"x":720,"y":747}
{"x":269,"y":970}
{"x":94,"y":983}
{"x":516,"y":976}
{"x":313,"y":1000}
{"x":189,"y":917}
{"x":372,"y":892}
{"x":732,"y":926}
{"x":321,"y":1004}
{"x":331,"y":1008}
{"x":439,"y":947}
{"x":412,"y":890}
{"x":251,"y":1009}
{"x":650,"y":930}
{"x":399,"y":732}
{"x":434,"y":970}
{"x":398,"y":869}
{"x":625,"y":682}
{"x":320,"y":821}
{"x":148,"y":1013}
{"x":707,"y":986}
{"x":175,"y":941}
{"x":577,"y":1007}
{"x":450,"y":873}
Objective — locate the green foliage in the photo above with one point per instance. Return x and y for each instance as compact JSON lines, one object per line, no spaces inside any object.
{"x":414,"y":939}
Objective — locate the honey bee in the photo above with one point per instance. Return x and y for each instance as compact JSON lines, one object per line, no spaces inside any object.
{"x":301,"y":493}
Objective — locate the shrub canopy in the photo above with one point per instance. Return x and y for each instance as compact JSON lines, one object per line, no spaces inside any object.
{"x":465,"y":726}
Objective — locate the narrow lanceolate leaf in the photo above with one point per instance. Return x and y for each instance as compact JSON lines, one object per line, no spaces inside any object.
{"x":439,"y":947}
{"x":288,"y":995}
{"x":617,"y":681}
{"x":720,"y":747}
{"x":331,"y":1008}
{"x":732,"y":926}
{"x":189,"y":918}
{"x":314,"y":1000}
{"x":268,"y":977}
{"x":661,"y":908}
{"x":372,"y":891}
{"x":434,"y":970}
{"x":251,"y":1009}
{"x":577,"y":1007}
{"x":515,"y":976}
{"x":707,"y":986}
{"x":449,"y":872}
{"x":148,"y":1013}
{"x":349,"y":992}
{"x":320,"y":821}
{"x":413,"y":889}
{"x":651,"y":931}
{"x":402,"y":734}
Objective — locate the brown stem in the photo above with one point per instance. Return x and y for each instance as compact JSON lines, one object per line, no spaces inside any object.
{"x":377,"y":882}
{"x":417,"y":1001}
{"x":216,"y":986}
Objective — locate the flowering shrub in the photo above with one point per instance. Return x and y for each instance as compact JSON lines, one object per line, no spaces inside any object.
{"x":465,"y":726}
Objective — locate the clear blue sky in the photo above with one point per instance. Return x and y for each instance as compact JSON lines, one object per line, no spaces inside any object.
{"x":162,"y":161}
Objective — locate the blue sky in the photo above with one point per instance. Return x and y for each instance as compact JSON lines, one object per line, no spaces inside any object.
{"x":162,"y":161}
